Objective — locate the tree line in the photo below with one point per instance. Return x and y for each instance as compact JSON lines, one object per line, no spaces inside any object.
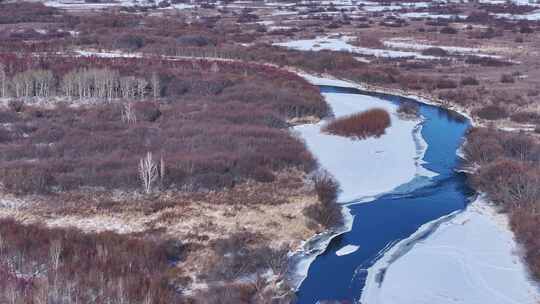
{"x":81,"y":83}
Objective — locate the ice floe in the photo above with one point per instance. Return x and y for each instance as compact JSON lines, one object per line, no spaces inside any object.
{"x":348,"y":249}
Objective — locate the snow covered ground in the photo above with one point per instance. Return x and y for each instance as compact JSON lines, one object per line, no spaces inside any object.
{"x":342,"y":44}
{"x":411,"y":44}
{"x":373,"y":166}
{"x":468,"y":258}
{"x":431,"y":15}
{"x":533,"y":16}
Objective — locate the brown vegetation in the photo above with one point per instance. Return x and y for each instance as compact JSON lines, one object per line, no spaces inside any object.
{"x":41,"y":265}
{"x":327,"y":212}
{"x":492,"y":112}
{"x":510,"y":176}
{"x":212,"y":129}
{"x":361,"y":125}
{"x":408,"y":108}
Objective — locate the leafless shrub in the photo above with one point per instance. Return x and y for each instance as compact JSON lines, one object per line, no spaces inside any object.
{"x":469,"y":81}
{"x":487,"y":61}
{"x":492,"y":112}
{"x":328,"y":212}
{"x":448,"y":30}
{"x":370,"y":41}
{"x":75,"y":267}
{"x":507,"y":78}
{"x":445,"y":83}
{"x":525,"y":117}
{"x":408,"y":108}
{"x":16,"y":105}
{"x":435,"y":51}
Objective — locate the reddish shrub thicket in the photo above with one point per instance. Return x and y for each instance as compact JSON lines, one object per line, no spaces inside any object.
{"x":448,"y":30}
{"x":469,"y":81}
{"x":506,"y":8}
{"x":435,"y":51}
{"x":510,"y":176}
{"x":492,"y":112}
{"x":63,"y":265}
{"x":525,"y":117}
{"x":487,"y":61}
{"x":370,"y":41}
{"x":486,"y":145}
{"x":219,"y":128}
{"x":19,"y":12}
{"x":525,"y":225}
{"x":328,"y":212}
{"x":445,"y":83}
{"x":506,"y":78}
{"x":361,"y":125}
{"x":408,"y":108}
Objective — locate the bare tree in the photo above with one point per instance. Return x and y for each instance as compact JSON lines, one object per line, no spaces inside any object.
{"x":128,"y":114}
{"x":128,"y":86}
{"x":43,"y":82}
{"x":148,"y":172}
{"x":69,"y":86}
{"x":156,"y":85}
{"x":161,"y":169}
{"x":55,"y":252}
{"x":141,"y":87}
{"x":214,"y":68}
{"x":3,"y":80}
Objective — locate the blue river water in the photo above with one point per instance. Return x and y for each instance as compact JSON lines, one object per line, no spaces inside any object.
{"x":393,"y":216}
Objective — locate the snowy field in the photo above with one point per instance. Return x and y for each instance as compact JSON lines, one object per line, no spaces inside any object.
{"x":342,"y":44}
{"x":411,"y":44}
{"x":373,"y":166}
{"x":469,"y":259}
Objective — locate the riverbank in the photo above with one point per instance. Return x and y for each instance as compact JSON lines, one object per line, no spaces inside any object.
{"x":365,"y":169}
{"x":465,"y":257}
{"x":505,"y":284}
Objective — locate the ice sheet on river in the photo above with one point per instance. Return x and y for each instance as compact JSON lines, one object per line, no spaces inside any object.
{"x":373,"y":166}
{"x":468,"y":258}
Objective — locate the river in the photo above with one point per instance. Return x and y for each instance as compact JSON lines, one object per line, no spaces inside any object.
{"x":394,"y":216}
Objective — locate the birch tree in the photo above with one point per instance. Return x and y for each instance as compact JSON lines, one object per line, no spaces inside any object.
{"x":43,"y":82}
{"x":3,"y":80}
{"x":148,"y":172}
{"x":156,"y":85}
{"x":161,"y":169}
{"x":214,"y":68}
{"x":128,"y":114}
{"x":55,"y":252}
{"x":141,"y":87}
